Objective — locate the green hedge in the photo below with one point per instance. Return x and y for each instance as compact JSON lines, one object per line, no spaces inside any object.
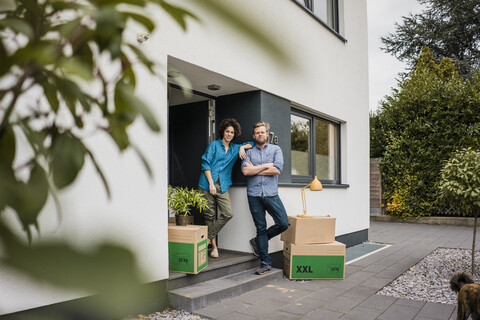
{"x":433,"y":113}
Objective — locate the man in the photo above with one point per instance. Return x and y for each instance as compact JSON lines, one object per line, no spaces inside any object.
{"x":262,"y":165}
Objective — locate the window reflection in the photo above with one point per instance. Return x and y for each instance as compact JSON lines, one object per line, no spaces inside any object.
{"x":300,"y":134}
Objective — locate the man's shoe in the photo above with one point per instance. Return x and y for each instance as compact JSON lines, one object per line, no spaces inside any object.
{"x":253,"y":244}
{"x":263,"y":268}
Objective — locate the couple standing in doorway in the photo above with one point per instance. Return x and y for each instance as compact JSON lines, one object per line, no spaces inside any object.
{"x":262,"y":163}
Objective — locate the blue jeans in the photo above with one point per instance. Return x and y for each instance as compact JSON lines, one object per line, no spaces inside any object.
{"x":275,"y":208}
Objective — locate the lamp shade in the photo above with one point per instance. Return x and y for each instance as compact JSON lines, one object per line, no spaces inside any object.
{"x":316,"y":185}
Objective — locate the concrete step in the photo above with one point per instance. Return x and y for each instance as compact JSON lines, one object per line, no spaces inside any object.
{"x":200,"y":295}
{"x":229,"y":262}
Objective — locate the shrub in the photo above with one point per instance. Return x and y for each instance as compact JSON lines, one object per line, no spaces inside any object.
{"x":433,"y":113}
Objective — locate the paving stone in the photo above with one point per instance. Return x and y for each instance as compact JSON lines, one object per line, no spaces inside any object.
{"x":236,"y":316}
{"x":323,"y":315}
{"x":281,"y":315}
{"x":217,"y":310}
{"x":262,"y":308}
{"x":436,"y":311}
{"x":327,"y":293}
{"x":399,"y":312}
{"x":360,"y":291}
{"x":359,"y":313}
{"x":303,"y":306}
{"x":342,"y":304}
{"x":378,"y":302}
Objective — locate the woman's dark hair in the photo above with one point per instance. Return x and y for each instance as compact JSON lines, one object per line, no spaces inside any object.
{"x":230,"y":122}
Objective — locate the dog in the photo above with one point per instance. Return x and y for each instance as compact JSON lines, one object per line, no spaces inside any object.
{"x":468,"y":295}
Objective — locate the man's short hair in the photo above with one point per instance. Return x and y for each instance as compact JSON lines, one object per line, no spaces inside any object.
{"x":261,"y":124}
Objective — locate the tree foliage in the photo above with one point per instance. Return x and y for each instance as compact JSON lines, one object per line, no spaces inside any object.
{"x":449,"y":28}
{"x":433,"y":113}
{"x":459,"y":182}
{"x":459,"y":185}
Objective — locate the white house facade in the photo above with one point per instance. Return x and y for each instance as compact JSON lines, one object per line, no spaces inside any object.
{"x":317,"y":106}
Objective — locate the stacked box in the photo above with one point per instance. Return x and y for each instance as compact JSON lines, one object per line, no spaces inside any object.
{"x":187,"y":248}
{"x":310,"y":250}
{"x":316,"y":229}
{"x":314,"y":261}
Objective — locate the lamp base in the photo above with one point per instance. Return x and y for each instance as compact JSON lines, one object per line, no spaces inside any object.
{"x":303,"y":216}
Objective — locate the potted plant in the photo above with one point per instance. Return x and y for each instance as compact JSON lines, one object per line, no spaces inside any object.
{"x":182,"y":200}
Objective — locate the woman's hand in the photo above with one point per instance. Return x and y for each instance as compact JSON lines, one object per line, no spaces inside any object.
{"x":213,"y":190}
{"x":242,"y":153}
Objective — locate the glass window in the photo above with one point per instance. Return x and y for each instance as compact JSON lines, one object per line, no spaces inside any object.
{"x":325,"y":150}
{"x":300,"y":132}
{"x":315,"y":145}
{"x":325,"y":10}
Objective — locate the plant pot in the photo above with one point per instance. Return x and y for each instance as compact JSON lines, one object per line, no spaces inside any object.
{"x":183,"y":220}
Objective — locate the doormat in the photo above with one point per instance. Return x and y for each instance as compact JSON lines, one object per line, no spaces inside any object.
{"x":362,"y":250}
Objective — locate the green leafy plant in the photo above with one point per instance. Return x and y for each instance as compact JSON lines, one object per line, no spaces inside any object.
{"x":459,"y":185}
{"x":182,"y":200}
{"x":433,"y":112}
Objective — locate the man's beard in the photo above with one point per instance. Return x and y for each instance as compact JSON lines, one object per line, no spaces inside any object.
{"x":260,"y":141}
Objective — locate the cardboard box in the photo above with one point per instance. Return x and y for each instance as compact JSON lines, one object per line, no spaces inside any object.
{"x":309,"y":230}
{"x":314,"y":261}
{"x":187,"y":248}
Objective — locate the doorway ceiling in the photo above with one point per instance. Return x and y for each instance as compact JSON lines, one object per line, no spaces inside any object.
{"x":184,"y":74}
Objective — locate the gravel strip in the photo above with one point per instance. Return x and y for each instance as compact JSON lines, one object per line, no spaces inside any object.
{"x":167,"y":314}
{"x":429,"y":280}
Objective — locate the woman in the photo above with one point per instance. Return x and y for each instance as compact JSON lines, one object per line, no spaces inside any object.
{"x":216,"y":177}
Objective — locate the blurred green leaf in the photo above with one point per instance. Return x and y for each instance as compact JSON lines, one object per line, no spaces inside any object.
{"x":28,"y":199}
{"x":50,"y":92}
{"x":109,"y":28}
{"x":118,"y":124}
{"x":179,"y":14}
{"x":67,"y":158}
{"x":103,"y":3}
{"x":108,"y":270}
{"x":7,"y":149}
{"x":143,"y":20}
{"x":141,"y":56}
{"x":143,"y":159}
{"x":125,"y":95}
{"x":43,"y":53}
{"x":17,"y":25}
{"x":100,"y":172}
{"x":76,"y":67}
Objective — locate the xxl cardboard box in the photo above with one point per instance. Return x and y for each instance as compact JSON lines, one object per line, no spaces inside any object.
{"x":187,"y":248}
{"x":316,"y":229}
{"x":314,"y":261}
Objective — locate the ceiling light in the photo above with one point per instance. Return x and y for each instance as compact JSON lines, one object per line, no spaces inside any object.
{"x":213,"y":87}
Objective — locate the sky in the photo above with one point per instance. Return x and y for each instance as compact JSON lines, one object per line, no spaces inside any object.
{"x":383,"y":67}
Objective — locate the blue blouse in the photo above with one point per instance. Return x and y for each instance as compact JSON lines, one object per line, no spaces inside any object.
{"x":219,"y":163}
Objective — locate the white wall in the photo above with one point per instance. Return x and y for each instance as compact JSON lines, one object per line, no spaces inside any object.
{"x":329,"y":77}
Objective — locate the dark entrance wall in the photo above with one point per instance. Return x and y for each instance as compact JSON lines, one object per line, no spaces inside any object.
{"x":251,"y":107}
{"x":188,"y":140}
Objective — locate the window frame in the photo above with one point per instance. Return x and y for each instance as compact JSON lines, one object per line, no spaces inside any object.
{"x":335,"y":29}
{"x":312,"y":152}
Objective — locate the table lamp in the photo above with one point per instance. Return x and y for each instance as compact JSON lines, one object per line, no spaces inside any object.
{"x":315,"y":185}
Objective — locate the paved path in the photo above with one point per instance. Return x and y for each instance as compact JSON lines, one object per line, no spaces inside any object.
{"x":354,"y":298}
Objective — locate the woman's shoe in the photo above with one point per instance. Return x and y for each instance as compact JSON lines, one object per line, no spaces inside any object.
{"x":214,"y":253}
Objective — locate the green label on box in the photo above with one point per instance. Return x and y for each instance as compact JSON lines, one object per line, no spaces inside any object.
{"x":317,"y":267}
{"x":181,"y":256}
